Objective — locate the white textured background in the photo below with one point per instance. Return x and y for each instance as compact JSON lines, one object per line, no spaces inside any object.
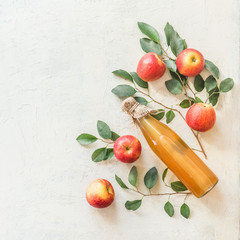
{"x":56,"y":59}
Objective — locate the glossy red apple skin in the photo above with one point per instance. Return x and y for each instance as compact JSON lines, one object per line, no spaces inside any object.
{"x":190,"y":62}
{"x":127,"y":149}
{"x":100,"y":193}
{"x":201,"y":117}
{"x":150,"y":67}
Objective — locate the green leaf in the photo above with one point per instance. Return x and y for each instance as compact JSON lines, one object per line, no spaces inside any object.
{"x":169,"y":32}
{"x":132,"y":177}
{"x":199,"y":83}
{"x":141,"y":100}
{"x":185,"y":210}
{"x":212,"y":68}
{"x":150,"y":46}
{"x":115,"y":136}
{"x":151,"y":178}
{"x":214,"y":98}
{"x":138,"y":80}
{"x":164,"y":174}
{"x":226,"y":85}
{"x":178,"y":186}
{"x":168,"y":207}
{"x":85,"y":139}
{"x":171,"y":65}
{"x":176,"y":43}
{"x":99,"y":154}
{"x":104,"y":130}
{"x":199,"y":100}
{"x":185,"y":103}
{"x":123,"y":90}
{"x":123,"y":74}
{"x":150,"y":31}
{"x":120,"y":182}
{"x":175,"y":76}
{"x":159,"y":115}
{"x":174,"y":86}
{"x":170,"y":116}
{"x":210,"y":83}
{"x":133,"y":205}
{"x":109,"y":154}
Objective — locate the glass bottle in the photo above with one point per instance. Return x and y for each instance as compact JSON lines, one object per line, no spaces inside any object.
{"x":172,"y":150}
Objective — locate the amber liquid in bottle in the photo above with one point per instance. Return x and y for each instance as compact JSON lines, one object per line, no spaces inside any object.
{"x":178,"y":156}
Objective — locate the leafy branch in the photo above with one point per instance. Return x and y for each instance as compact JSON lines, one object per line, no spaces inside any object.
{"x":178,"y":83}
{"x":108,"y":137}
{"x":150,"y":180}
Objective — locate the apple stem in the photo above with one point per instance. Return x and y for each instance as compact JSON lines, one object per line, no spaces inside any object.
{"x":160,"y":194}
{"x":108,"y":142}
{"x":214,"y":91}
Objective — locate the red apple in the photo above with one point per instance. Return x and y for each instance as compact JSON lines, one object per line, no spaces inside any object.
{"x":190,"y":62}
{"x":150,"y":67}
{"x":201,"y":117}
{"x":100,"y":193}
{"x":127,"y":149}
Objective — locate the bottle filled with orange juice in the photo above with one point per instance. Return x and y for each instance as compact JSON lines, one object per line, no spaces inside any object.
{"x":172,"y":150}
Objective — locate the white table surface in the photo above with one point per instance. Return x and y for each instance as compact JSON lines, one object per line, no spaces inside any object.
{"x":56,"y":63}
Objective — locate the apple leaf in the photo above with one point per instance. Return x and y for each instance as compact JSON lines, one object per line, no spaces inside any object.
{"x":138,"y":80}
{"x":174,"y":86}
{"x":164,"y":174}
{"x":176,"y":43}
{"x":104,"y":130}
{"x":149,"y":31}
{"x":210,"y":83}
{"x":109,"y":154}
{"x":171,"y":65}
{"x":120,"y":182}
{"x":151,"y":178}
{"x":169,"y":116}
{"x":185,"y":103}
{"x":132,"y":177}
{"x":99,"y":155}
{"x":178,"y":186}
{"x":141,"y":100}
{"x":199,"y":83}
{"x":199,"y":100}
{"x":226,"y":85}
{"x":115,"y":136}
{"x":86,"y":139}
{"x":214,"y":98}
{"x":159,"y":115}
{"x":123,"y":74}
{"x":168,"y":207}
{"x":133,"y":205}
{"x":185,"y":210}
{"x":123,"y":90}
{"x":212,"y":68}
{"x":176,"y":76}
{"x":150,"y":46}
{"x":169,"y":33}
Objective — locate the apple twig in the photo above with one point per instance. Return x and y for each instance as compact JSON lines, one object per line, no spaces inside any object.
{"x":159,"y":194}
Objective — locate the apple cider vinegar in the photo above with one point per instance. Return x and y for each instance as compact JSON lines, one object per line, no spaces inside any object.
{"x":172,"y":150}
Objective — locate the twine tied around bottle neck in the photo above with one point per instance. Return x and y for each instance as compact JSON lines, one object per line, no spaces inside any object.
{"x":135,"y":109}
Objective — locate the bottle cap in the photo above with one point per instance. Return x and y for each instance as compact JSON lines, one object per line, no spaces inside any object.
{"x":135,"y":109}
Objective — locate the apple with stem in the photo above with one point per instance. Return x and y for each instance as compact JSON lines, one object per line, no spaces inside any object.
{"x":190,"y":62}
{"x":100,"y":193}
{"x":201,"y":117}
{"x":127,"y":149}
{"x":150,"y":67}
